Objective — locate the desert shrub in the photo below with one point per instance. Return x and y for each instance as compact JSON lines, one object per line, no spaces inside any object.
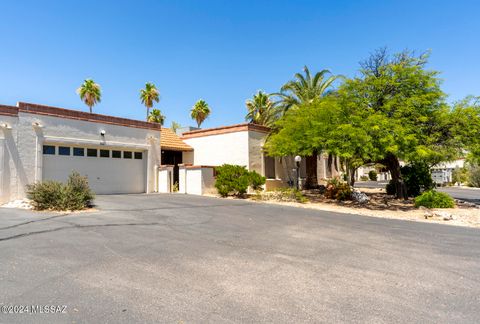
{"x":256,"y":180}
{"x":417,"y":178}
{"x":434,"y":199}
{"x":54,"y":195}
{"x":364,"y":178}
{"x":282,"y":194}
{"x":79,"y":193}
{"x":337,"y":189}
{"x":235,"y":180}
{"x":372,"y":175}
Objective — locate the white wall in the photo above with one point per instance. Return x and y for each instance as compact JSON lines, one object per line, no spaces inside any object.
{"x":215,"y":150}
{"x":10,"y":164}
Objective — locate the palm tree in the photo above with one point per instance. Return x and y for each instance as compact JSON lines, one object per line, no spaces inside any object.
{"x":261,"y":110}
{"x":90,"y":93}
{"x":304,"y":89}
{"x":156,"y":117}
{"x":200,"y":111}
{"x":175,"y":126}
{"x":149,"y":95}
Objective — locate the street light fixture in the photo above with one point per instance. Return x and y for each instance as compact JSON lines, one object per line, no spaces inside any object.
{"x":298,"y":159}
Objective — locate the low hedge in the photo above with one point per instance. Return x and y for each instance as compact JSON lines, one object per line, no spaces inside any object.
{"x":54,"y":195}
{"x":434,"y":199}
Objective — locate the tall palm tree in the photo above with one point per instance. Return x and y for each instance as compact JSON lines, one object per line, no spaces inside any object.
{"x":90,"y":93}
{"x":156,"y":117}
{"x":200,"y":111}
{"x":261,"y":110}
{"x":174,"y":126}
{"x":149,"y":95}
{"x":304,"y":89}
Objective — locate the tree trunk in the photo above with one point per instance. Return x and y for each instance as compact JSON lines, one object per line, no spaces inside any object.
{"x":351,"y":176}
{"x":393,"y":165}
{"x":311,"y":165}
{"x":147,"y":113}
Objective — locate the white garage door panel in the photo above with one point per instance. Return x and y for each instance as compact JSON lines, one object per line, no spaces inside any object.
{"x":105,"y":175}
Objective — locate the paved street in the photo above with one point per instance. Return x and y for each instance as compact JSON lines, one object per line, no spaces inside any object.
{"x":188,"y":259}
{"x":467,"y":194}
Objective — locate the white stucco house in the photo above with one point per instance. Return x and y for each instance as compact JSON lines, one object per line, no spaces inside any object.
{"x":40,"y":142}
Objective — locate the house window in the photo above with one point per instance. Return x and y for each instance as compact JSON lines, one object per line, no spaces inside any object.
{"x":78,"y":151}
{"x":63,"y":150}
{"x":116,"y":154}
{"x":269,"y":164}
{"x":104,"y":153}
{"x":127,"y":155}
{"x":92,"y":152}
{"x":49,"y":149}
{"x":138,"y":155}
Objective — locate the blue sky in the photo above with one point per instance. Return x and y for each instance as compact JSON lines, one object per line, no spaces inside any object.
{"x":221,"y":51}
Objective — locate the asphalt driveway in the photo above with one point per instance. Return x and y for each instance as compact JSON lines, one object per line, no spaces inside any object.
{"x":188,"y":259}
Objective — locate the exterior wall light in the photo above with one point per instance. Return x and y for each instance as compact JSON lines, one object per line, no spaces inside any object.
{"x":103,"y":132}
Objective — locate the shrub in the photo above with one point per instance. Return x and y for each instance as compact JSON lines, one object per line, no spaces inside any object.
{"x":460,"y":175}
{"x":417,"y":178}
{"x":338,"y":190}
{"x":256,"y":180}
{"x":79,"y":193}
{"x":372,"y":175}
{"x":235,"y":180}
{"x":434,"y":199}
{"x":54,"y":195}
{"x":364,"y":178}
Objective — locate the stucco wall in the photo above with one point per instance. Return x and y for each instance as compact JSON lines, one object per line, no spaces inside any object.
{"x":255,"y":149}
{"x":215,"y":150}
{"x":10,"y":164}
{"x":24,"y":146}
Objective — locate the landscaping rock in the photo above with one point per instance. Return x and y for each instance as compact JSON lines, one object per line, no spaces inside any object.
{"x":446,"y":216}
{"x":360,"y":197}
{"x":19,"y":203}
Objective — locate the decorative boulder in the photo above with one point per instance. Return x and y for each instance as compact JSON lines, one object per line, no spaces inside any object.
{"x":360,"y":197}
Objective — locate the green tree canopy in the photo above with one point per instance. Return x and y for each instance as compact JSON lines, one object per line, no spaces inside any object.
{"x":395,"y":110}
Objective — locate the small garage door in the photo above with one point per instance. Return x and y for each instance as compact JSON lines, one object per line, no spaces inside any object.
{"x":108,"y":171}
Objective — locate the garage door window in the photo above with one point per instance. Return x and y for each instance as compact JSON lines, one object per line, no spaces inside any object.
{"x":92,"y":152}
{"x":48,"y":149}
{"x":78,"y":151}
{"x":138,"y":155}
{"x":63,"y":150}
{"x":127,"y":155}
{"x":104,"y":153}
{"x":116,"y":154}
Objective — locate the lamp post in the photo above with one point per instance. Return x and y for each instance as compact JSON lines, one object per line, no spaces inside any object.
{"x":298,"y":159}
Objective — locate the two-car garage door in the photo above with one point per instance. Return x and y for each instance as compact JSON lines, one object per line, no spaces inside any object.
{"x":109,"y":170}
